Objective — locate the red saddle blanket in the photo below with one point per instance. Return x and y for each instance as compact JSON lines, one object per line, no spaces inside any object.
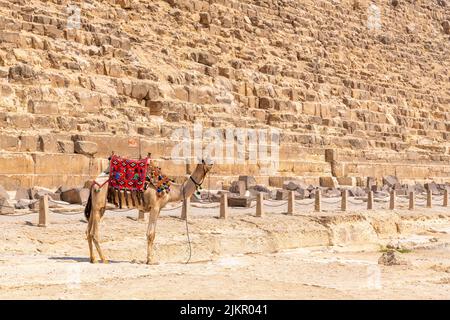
{"x":126,"y":174}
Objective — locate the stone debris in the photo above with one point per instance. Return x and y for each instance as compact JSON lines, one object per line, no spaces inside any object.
{"x":392,"y":258}
{"x":75,"y":195}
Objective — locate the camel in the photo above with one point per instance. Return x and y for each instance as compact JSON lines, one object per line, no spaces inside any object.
{"x":95,"y":208}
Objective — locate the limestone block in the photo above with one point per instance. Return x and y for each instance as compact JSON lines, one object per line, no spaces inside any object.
{"x":156,"y":108}
{"x":9,"y":142}
{"x":75,"y":196}
{"x":28,"y":143}
{"x":58,"y":164}
{"x":43,"y":107}
{"x":22,"y":193}
{"x":329,"y":182}
{"x":207,"y":58}
{"x":48,"y":143}
{"x":90,"y":102}
{"x":66,"y":146}
{"x":249,"y":181}
{"x":266,"y":103}
{"x":85,"y":147}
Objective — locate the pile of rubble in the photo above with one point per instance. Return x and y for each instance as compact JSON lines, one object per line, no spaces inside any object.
{"x":27,"y":198}
{"x":246,"y":187}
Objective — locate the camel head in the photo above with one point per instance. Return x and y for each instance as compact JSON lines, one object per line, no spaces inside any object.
{"x":207,"y":165}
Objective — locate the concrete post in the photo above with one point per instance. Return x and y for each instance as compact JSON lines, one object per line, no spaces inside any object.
{"x":291,"y":198}
{"x":392,"y":200}
{"x":412,"y":200}
{"x":43,"y":211}
{"x":318,"y":199}
{"x":370,"y":200}
{"x":260,"y":205}
{"x":344,"y":199}
{"x":185,"y":208}
{"x":224,"y":206}
{"x":429,"y":198}
{"x":445,"y":201}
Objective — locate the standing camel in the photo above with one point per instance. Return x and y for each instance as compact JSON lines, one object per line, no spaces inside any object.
{"x":95,"y":207}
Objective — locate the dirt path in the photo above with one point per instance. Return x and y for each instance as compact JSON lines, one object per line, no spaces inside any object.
{"x":327,"y":256}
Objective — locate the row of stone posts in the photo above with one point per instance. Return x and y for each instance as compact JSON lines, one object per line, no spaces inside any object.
{"x":224,"y":209}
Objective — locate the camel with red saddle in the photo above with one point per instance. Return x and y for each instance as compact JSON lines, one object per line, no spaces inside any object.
{"x":152,"y":200}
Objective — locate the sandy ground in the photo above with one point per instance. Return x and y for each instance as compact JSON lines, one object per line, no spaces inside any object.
{"x":331,"y":255}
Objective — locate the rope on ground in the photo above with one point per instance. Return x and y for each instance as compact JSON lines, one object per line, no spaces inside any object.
{"x":66,"y":213}
{"x":205,"y":207}
{"x":355,"y":202}
{"x":332,"y":201}
{"x":3,"y":206}
{"x":17,"y":214}
{"x":381,"y":198}
{"x":304,"y":203}
{"x":275,"y":205}
{"x":242,"y":208}
{"x":171,"y":209}
{"x":63,"y":203}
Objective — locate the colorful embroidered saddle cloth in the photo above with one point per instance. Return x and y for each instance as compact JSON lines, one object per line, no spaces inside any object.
{"x":126,"y":174}
{"x":128,"y":179}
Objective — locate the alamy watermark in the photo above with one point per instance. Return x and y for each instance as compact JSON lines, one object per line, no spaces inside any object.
{"x":74,"y":18}
{"x":373,"y":17}
{"x":228,"y":146}
{"x":373,"y":277}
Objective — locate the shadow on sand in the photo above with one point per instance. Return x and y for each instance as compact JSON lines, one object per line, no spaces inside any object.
{"x":84,"y":259}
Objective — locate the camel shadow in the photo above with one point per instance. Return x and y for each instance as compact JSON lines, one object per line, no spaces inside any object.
{"x":83,"y":259}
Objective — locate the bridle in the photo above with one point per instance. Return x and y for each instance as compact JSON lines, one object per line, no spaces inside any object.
{"x":197,"y":184}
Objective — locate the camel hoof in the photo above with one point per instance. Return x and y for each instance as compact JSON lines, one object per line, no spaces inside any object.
{"x":152,"y":263}
{"x":105,"y":261}
{"x":92,"y":260}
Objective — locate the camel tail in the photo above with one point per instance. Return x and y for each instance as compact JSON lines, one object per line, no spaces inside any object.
{"x":88,"y":208}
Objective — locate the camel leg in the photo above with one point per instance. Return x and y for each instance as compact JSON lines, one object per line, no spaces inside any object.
{"x":89,"y":238}
{"x":95,"y":236}
{"x":151,"y":232}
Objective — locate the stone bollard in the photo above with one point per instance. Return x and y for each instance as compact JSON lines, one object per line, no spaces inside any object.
{"x":260,"y":205}
{"x":43,"y":211}
{"x":370,"y":200}
{"x":141,"y":215}
{"x":445,"y":201}
{"x":291,"y":204}
{"x":185,"y":208}
{"x":318,"y":199}
{"x":429,"y":198}
{"x":392,"y":200}
{"x":412,"y":200}
{"x":344,"y":199}
{"x":224,"y":206}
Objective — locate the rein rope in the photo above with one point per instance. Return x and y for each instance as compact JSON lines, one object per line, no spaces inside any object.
{"x":197,"y":186}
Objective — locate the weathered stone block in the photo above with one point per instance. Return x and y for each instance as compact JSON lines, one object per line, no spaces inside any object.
{"x":75,"y":196}
{"x":66,"y":146}
{"x":249,"y":181}
{"x":207,"y":58}
{"x":329,"y":182}
{"x":85,"y":147}
{"x":43,"y":107}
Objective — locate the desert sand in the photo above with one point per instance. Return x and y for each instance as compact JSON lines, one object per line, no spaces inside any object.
{"x":326,"y":255}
